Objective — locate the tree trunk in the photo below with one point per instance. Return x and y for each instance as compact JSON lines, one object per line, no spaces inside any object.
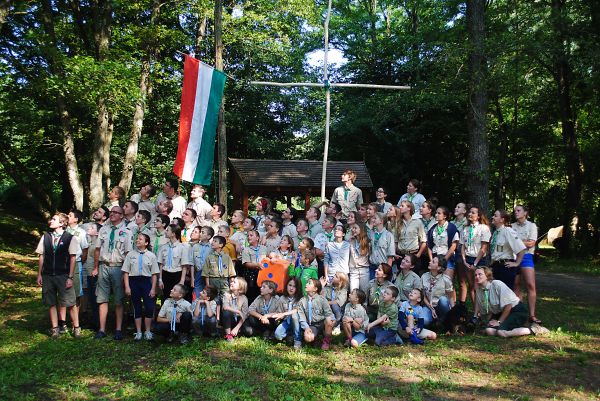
{"x":478,"y":163}
{"x":562,"y":76}
{"x":57,"y":69}
{"x":4,"y":11}
{"x":140,"y":108}
{"x":499,"y":193}
{"x":102,"y":18}
{"x":99,"y":154}
{"x":201,"y":35}
{"x":221,"y":129}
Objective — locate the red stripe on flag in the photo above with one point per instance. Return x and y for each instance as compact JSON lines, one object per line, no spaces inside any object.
{"x":188,"y":96}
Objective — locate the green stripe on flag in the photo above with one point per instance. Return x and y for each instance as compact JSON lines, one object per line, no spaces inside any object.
{"x":203,"y":172}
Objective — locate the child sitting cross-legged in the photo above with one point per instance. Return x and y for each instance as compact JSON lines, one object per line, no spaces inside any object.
{"x":411,"y":317}
{"x":204,"y":319}
{"x":355,"y":320}
{"x":383,"y":329}
{"x":315,"y":314}
{"x":261,"y":311}
{"x":175,"y":316}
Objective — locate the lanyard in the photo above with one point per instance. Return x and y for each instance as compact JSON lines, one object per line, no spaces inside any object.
{"x":111,"y":238}
{"x":310,"y":311}
{"x":140,"y":263}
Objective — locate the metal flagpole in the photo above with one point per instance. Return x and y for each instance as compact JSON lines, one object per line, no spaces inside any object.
{"x":327,"y":102}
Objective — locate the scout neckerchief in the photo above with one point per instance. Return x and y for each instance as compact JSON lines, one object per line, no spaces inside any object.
{"x":290,"y":305}
{"x":170,"y":255}
{"x":310,"y":311}
{"x":234,"y":302}
{"x":174,"y":316}
{"x":486,"y":299}
{"x":432,"y":282}
{"x":157,"y":241}
{"x":56,"y":239}
{"x":471,"y":234}
{"x":204,"y":248}
{"x":202,"y":308}
{"x":329,"y":236}
{"x":440,"y":230}
{"x":332,"y":293}
{"x":376,"y":237}
{"x":111,"y":238}
{"x":140,"y":262}
{"x":460,"y":223}
{"x":346,"y":192}
{"x":494,"y":240}
{"x":377,"y":294}
{"x":266,"y":306}
{"x":184,"y":237}
{"x":426,"y":223}
{"x":138,"y":231}
{"x":220,"y":263}
{"x":411,"y":197}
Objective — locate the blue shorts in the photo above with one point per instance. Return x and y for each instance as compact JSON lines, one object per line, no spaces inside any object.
{"x":527,"y":261}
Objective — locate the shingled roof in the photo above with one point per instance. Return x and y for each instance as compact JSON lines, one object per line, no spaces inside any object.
{"x":256,"y":173}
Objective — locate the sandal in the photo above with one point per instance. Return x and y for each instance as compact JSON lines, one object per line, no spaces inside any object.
{"x":535,"y":320}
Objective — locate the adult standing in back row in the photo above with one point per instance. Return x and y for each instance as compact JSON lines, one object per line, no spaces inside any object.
{"x":412,"y":195}
{"x":348,"y":196}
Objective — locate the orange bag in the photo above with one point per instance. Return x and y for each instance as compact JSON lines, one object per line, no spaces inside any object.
{"x":274,"y":270}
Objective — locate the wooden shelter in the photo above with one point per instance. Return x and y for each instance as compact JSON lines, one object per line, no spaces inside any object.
{"x":289,"y":178}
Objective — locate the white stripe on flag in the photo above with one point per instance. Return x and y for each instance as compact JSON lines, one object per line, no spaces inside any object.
{"x":200,"y":107}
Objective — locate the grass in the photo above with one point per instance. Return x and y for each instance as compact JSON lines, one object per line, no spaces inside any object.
{"x":563,"y":365}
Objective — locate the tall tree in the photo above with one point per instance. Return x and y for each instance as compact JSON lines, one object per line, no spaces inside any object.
{"x":478,"y":163}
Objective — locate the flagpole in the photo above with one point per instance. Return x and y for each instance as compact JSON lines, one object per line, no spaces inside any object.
{"x":327,"y":102}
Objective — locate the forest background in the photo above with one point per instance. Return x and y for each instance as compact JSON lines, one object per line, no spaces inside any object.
{"x":90,"y":93}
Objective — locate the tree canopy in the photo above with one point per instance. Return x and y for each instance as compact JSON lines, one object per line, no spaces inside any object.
{"x":77,"y":77}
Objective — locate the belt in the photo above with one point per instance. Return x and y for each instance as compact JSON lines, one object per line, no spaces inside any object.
{"x":503,"y":260}
{"x":111,"y":264}
{"x":409,"y":252}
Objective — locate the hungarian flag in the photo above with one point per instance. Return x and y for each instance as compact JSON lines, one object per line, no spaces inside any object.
{"x":200,"y":102}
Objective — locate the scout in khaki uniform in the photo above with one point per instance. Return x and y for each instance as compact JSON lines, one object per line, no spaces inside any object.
{"x":112,"y":245}
{"x":218,"y":267}
{"x":348,"y":196}
{"x":315,"y":314}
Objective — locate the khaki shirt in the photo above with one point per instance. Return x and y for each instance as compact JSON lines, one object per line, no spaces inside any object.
{"x":114,"y":255}
{"x":527,"y":231}
{"x":286,"y":304}
{"x":198,"y":254}
{"x":149,"y":264}
{"x":473,"y":236}
{"x":289,"y":229}
{"x":272,"y":243}
{"x":180,"y":257}
{"x":320,"y":310}
{"x":339,"y":295}
{"x":262,"y":307}
{"x":436,"y":287}
{"x":356,"y":258}
{"x":166,"y":309}
{"x":349,"y":199}
{"x":382,"y":246}
{"x":211,"y":304}
{"x":211,"y":266}
{"x":505,"y":244}
{"x":407,"y":283}
{"x":314,"y":229}
{"x":357,"y":312}
{"x":410,"y":236}
{"x":73,"y":245}
{"x":238,"y":303}
{"x":495,"y":297}
{"x":249,"y":254}
{"x":203,"y":209}
{"x":81,"y":235}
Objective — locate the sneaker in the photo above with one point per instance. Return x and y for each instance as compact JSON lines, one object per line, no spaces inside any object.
{"x":148,"y":336}
{"x":118,"y":335}
{"x":63,"y":329}
{"x":297,"y":345}
{"x":100,"y":335}
{"x":171,"y":337}
{"x":137,"y":336}
{"x":336,"y":331}
{"x":228,"y":338}
{"x":348,"y":342}
{"x":184,"y":339}
{"x":399,"y":340}
{"x":325,"y":345}
{"x":54,"y":332}
{"x":77,"y":332}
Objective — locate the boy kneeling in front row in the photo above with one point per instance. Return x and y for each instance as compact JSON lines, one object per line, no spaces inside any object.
{"x":175,"y":316}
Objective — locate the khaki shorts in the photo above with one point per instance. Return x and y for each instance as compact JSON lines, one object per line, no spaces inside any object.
{"x":79,"y":280}
{"x":109,"y":277}
{"x":221,"y":283}
{"x":54,"y":291}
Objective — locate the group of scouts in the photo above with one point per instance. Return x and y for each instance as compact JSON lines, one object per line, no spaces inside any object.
{"x":365,"y":271}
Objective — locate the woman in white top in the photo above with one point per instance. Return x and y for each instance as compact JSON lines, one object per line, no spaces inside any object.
{"x":527,"y":232}
{"x":499,"y":306}
{"x":475,"y":241}
{"x":506,"y":249}
{"x":337,"y":254}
